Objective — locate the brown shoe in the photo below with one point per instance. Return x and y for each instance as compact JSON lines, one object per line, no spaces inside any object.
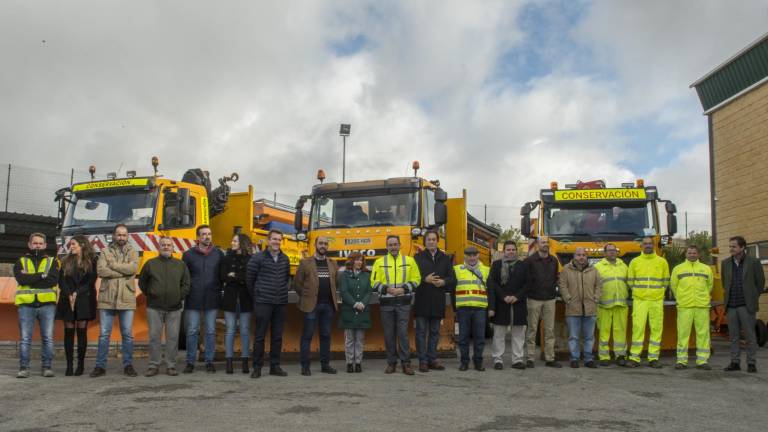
{"x":151,"y":372}
{"x":408,"y":370}
{"x":423,"y":367}
{"x":171,"y":372}
{"x":390,"y":369}
{"x":436,"y":365}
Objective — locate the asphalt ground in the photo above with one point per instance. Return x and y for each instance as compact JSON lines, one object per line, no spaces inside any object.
{"x":539,"y":399}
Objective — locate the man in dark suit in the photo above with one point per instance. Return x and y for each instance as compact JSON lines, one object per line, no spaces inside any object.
{"x":743,"y":282}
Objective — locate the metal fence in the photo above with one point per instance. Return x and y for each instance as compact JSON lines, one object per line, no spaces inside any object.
{"x":31,"y":190}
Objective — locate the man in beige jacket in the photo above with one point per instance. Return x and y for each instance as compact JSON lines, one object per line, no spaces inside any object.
{"x":580,"y":286}
{"x":315,"y":284}
{"x":117,"y":268}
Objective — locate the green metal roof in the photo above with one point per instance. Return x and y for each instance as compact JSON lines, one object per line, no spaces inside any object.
{"x":745,"y":69}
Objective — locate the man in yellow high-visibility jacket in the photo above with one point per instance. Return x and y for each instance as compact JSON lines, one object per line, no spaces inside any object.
{"x":471,"y":305}
{"x":691,"y":283}
{"x":37,"y":277}
{"x":648,"y":278}
{"x":612,"y":309}
{"x":394,"y":277}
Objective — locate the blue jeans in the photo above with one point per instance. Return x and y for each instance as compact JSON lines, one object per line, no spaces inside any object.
{"x":426,"y":342}
{"x":27,"y":317}
{"x":193,"y":333}
{"x":322,"y":317}
{"x":471,"y":324}
{"x":245,"y":329}
{"x":579,"y":326}
{"x":106,"y":317}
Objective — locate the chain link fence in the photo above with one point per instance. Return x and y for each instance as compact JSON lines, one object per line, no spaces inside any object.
{"x":31,"y":190}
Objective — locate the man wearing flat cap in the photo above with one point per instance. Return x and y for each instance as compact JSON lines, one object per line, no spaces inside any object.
{"x":471,"y":303}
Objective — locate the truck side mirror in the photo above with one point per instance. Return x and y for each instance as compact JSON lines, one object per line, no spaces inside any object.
{"x":184,"y":206}
{"x":525,"y":225}
{"x":441,"y":195}
{"x":525,"y":220}
{"x":670,"y":207}
{"x":671,"y":223}
{"x":298,"y":220}
{"x":298,"y":217}
{"x":62,"y":198}
{"x":441,"y":212}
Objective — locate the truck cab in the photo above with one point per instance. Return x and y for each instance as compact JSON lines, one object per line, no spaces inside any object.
{"x":589,"y":215}
{"x":358,"y":216}
{"x":148,"y":206}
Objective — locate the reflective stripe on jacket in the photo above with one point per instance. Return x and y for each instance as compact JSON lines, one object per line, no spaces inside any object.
{"x":691,"y":283}
{"x":395,"y":272}
{"x":615,"y":290}
{"x":25,"y":294}
{"x":471,"y":289}
{"x":648,"y":277}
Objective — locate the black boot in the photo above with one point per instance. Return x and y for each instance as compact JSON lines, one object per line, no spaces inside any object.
{"x":230,"y":368}
{"x":69,"y":348}
{"x":82,"y":347}
{"x":245,"y":365}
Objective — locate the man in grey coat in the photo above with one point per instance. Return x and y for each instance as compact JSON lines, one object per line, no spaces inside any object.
{"x":743,"y":282}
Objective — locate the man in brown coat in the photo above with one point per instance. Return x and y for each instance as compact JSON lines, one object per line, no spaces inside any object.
{"x":315,"y":284}
{"x":580,"y":286}
{"x":117,"y":268}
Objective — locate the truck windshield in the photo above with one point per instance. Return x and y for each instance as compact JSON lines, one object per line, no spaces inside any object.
{"x":601,"y":219}
{"x":104,"y":210}
{"x":365,"y":210}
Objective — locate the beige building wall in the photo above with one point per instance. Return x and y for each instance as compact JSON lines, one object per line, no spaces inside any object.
{"x":740,"y":135}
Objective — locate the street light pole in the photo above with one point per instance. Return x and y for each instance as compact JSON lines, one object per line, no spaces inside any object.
{"x":344,"y":131}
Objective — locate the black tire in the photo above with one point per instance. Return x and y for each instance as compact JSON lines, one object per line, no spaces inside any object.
{"x":761,"y":332}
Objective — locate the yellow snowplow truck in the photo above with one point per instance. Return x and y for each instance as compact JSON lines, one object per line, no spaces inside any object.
{"x":155,"y":206}
{"x":358,"y":217}
{"x":590,"y":215}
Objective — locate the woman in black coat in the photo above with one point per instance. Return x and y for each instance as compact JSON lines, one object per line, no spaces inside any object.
{"x":77,"y":299}
{"x":237,"y":299}
{"x":507,"y":305}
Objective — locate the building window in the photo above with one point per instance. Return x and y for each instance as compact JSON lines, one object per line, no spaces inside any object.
{"x":759,"y":250}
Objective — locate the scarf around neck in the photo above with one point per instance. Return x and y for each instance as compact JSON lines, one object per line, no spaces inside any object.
{"x":506,"y":268}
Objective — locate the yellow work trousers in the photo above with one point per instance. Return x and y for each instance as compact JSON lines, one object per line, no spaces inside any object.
{"x":652,"y":312}
{"x":612,"y":318}
{"x":699,"y":318}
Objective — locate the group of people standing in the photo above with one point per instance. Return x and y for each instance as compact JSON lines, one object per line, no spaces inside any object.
{"x":515,"y":294}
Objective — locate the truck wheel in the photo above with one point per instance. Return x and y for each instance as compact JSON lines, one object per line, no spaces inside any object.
{"x":761,"y":332}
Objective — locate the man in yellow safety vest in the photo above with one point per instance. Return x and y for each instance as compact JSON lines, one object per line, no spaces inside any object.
{"x":648,"y":277}
{"x":394,"y":277}
{"x":471,"y":304}
{"x":37,"y":276}
{"x":691,"y":283}
{"x":612,"y":309}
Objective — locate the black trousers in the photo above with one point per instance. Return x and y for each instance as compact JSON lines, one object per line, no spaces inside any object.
{"x":268,"y":316}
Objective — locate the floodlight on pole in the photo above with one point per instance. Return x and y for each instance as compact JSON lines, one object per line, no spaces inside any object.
{"x":344,"y":131}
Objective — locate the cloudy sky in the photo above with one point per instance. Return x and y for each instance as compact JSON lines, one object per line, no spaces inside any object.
{"x":498,"y":97}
